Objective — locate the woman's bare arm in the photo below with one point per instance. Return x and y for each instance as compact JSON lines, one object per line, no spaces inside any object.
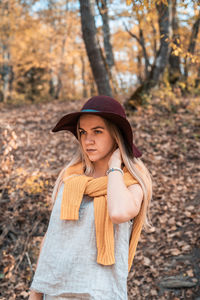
{"x":123,"y":202}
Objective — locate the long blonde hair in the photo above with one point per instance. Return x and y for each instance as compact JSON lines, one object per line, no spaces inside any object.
{"x":134,"y":165}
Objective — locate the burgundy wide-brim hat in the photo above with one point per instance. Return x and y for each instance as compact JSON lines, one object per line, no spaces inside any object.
{"x":107,"y":108}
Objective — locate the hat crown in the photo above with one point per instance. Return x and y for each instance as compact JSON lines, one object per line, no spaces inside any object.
{"x":104,"y":104}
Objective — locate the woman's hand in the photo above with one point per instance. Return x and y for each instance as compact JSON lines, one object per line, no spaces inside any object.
{"x":115,"y":159}
{"x":35,"y":296}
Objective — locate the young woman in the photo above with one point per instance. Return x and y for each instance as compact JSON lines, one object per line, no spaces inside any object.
{"x":100,"y":205}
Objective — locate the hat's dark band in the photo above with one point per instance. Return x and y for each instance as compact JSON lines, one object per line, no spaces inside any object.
{"x":94,"y":110}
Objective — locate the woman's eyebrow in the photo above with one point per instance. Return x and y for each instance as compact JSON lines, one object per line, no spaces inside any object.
{"x":94,"y":128}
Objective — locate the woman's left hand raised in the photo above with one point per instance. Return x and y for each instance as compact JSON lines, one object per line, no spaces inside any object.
{"x":115,"y":159}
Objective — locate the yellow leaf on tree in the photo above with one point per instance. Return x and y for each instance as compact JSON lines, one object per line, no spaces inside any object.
{"x":128,"y":2}
{"x":176,"y":52}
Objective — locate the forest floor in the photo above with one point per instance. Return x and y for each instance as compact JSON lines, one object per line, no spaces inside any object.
{"x":167,"y":261}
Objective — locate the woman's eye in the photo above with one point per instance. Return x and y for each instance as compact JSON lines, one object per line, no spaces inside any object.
{"x":81,"y":132}
{"x":98,"y":131}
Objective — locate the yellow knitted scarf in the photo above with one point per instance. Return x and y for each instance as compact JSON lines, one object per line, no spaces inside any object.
{"x":76,"y":184}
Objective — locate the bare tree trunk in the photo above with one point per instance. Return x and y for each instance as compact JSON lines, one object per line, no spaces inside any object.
{"x":58,"y":88}
{"x":83,"y":77}
{"x":55,"y":83}
{"x":174,"y":61}
{"x":192,"y":44}
{"x":164,"y":14}
{"x":92,"y":86}
{"x":73,"y":77}
{"x":7,"y":74}
{"x":93,"y":50}
{"x":141,"y":41}
{"x":53,"y":77}
{"x":139,"y":66}
{"x":103,"y":10}
{"x":109,"y":59}
{"x":197,"y":81}
{"x":6,"y":69}
{"x":154,"y":40}
{"x":61,"y":68}
{"x":164,"y":20}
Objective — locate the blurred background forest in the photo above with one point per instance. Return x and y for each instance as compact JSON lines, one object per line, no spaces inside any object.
{"x":55,"y":54}
{"x":62,"y":49}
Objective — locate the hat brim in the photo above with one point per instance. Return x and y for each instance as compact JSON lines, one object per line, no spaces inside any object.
{"x":69,"y":123}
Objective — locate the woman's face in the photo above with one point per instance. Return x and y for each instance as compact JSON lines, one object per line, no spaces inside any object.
{"x":96,"y":140}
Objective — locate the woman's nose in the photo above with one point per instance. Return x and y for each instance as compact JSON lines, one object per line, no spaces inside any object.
{"x":89,"y":139}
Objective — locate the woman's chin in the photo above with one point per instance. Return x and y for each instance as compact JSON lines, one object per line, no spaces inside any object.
{"x":93,"y":158}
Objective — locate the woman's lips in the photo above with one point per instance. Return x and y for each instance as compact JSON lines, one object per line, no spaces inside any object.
{"x":91,"y":150}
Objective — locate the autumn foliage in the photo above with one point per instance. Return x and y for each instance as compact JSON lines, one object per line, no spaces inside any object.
{"x":43,"y":54}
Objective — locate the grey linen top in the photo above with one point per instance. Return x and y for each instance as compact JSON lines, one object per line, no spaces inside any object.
{"x":67,"y":263}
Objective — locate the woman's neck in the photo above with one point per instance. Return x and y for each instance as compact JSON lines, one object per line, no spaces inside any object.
{"x":99,"y":169}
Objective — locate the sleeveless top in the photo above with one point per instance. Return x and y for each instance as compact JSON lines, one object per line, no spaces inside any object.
{"x":67,"y":263}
